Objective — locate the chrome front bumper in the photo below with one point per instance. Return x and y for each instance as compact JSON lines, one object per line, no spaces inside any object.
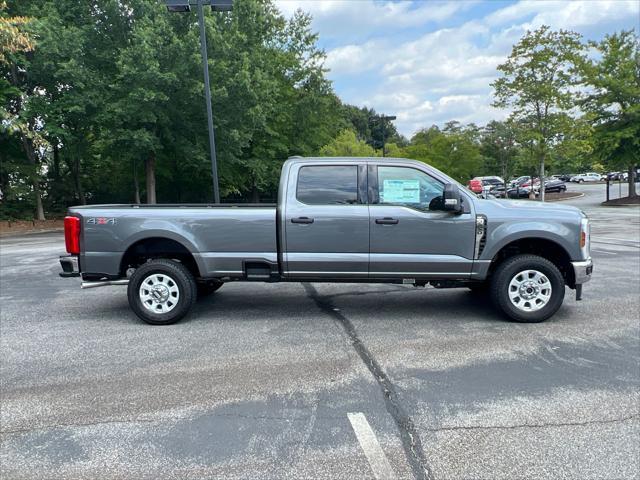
{"x":582,"y":270}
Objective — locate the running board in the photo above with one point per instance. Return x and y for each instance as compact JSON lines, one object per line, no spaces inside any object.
{"x":104,"y":283}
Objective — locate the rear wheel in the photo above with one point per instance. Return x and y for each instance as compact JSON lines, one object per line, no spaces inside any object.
{"x":527,"y":288}
{"x":161,"y":291}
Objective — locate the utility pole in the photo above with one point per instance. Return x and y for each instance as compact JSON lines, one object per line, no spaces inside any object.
{"x":216,"y":6}
{"x":383,"y":125}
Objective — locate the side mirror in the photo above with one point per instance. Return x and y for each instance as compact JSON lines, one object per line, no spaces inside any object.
{"x":451,"y":196}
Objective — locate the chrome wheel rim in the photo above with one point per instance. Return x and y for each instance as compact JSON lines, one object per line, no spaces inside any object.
{"x":530,"y":290}
{"x":159,"y":293}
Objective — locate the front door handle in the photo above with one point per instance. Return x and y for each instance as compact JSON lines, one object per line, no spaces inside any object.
{"x":387,"y":221}
{"x":302,"y":220}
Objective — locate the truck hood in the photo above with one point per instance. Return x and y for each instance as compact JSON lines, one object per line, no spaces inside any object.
{"x":517,"y":208}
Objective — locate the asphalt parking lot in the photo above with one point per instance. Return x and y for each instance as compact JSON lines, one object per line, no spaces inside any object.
{"x":269,"y":380}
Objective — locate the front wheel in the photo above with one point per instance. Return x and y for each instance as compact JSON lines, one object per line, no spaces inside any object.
{"x":527,"y":288}
{"x":161,"y":292}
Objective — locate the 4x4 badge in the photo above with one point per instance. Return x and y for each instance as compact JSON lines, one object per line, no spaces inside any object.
{"x":101,"y":221}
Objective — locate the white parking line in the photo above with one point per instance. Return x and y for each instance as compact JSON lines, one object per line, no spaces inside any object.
{"x":372,"y":450}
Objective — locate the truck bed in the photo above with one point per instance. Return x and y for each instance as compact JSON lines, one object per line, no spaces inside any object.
{"x":221,"y":237}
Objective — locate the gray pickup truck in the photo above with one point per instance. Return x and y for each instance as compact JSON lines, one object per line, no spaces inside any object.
{"x":365,"y":220}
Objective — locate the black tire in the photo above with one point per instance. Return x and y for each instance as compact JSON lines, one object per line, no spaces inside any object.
{"x":509,"y":269}
{"x":179,"y":275}
{"x":206,"y":288}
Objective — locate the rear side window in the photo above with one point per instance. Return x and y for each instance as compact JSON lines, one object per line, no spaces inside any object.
{"x":328,"y":185}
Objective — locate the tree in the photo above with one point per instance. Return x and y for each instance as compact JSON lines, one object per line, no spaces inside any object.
{"x":613,"y":101}
{"x":538,"y":85}
{"x":13,"y":37}
{"x":16,"y":90}
{"x":346,"y":144}
{"x":500,"y":148}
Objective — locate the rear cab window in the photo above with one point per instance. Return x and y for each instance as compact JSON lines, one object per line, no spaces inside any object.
{"x":328,"y":185}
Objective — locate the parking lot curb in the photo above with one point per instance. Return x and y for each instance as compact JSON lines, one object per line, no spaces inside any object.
{"x":580,"y":195}
{"x":6,"y":234}
{"x":620,"y":205}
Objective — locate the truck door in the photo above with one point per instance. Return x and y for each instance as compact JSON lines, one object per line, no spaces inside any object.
{"x":410,"y":235}
{"x":326,"y":221}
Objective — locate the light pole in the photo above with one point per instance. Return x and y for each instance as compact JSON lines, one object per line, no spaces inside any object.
{"x":216,"y":6}
{"x":383,"y":120}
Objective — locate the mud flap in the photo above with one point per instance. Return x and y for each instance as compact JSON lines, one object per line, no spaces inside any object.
{"x":579,"y":292}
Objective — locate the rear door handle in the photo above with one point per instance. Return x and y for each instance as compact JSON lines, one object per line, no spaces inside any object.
{"x":387,"y":221}
{"x":302,"y":220}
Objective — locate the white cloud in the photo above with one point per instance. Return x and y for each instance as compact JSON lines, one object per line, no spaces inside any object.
{"x":349,"y":20}
{"x":440,"y":74}
{"x":563,"y":14}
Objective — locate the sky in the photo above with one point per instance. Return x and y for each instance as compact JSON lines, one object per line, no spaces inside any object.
{"x":429,"y":62}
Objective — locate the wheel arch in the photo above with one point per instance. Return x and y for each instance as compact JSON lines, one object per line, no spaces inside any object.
{"x":546,"y":248}
{"x":159,"y":246}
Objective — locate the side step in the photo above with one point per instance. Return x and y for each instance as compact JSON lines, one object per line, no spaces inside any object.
{"x":104,"y":283}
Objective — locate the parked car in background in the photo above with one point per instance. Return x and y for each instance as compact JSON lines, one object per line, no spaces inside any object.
{"x":475,"y":185}
{"x":484,"y":184}
{"x":586,"y":177}
{"x":554,"y":185}
{"x":519,"y":192}
{"x":566,"y":177}
{"x":619,"y":176}
{"x":524,"y":181}
{"x":498,"y":191}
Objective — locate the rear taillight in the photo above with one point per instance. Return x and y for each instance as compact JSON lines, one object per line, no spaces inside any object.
{"x":72,"y":235}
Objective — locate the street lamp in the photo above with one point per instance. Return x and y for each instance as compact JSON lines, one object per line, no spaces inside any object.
{"x":383,"y":119}
{"x":182,"y":6}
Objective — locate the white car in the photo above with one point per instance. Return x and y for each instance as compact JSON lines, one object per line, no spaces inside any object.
{"x":587,"y":177}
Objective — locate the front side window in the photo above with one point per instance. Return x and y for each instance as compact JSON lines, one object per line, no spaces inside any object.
{"x":409,"y":187}
{"x":328,"y":185}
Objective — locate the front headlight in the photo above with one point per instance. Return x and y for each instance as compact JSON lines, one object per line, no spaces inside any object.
{"x":585,"y":238}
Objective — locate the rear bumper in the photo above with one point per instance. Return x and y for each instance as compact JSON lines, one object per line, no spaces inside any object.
{"x":582,"y":270}
{"x":70,"y":267}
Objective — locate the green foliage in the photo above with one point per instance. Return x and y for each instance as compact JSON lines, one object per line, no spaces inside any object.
{"x":613,"y":103}
{"x":538,"y":84}
{"x":346,"y":144}
{"x":499,"y":148}
{"x":455,"y":149}
{"x":115,"y":86}
{"x":97,"y":97}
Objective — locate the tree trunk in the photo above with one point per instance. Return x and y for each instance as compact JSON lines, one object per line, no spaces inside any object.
{"x":632,"y":181}
{"x":77,"y":181}
{"x":150,"y":167}
{"x":56,"y":162}
{"x":39,"y":208}
{"x":255,"y":195}
{"x":136,"y":187}
{"x":35,"y":177}
{"x":541,"y":180}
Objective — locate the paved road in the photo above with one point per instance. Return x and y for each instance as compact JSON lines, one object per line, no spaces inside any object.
{"x":260,"y":380}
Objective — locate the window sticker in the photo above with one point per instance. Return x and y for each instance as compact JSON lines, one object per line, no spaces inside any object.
{"x":400,"y":191}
